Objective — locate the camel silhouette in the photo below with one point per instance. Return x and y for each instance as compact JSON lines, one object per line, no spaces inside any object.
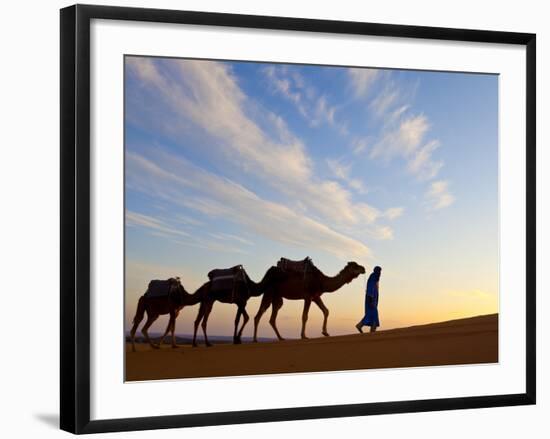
{"x":238,"y":295}
{"x":155,"y":306}
{"x":294,"y":285}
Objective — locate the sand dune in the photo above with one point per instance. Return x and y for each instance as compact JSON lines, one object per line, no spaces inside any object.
{"x":464,"y":341}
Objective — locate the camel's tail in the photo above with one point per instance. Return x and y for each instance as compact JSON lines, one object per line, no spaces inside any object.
{"x":140,"y":312}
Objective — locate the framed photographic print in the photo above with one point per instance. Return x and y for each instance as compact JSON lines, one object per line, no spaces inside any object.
{"x":304,"y":218}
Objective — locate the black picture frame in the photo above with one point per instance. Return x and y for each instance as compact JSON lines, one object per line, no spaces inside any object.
{"x":75,"y":217}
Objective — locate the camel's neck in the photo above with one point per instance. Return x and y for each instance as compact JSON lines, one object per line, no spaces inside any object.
{"x":270,"y":276}
{"x":331,"y":284}
{"x":196,"y":297}
{"x":256,"y":289}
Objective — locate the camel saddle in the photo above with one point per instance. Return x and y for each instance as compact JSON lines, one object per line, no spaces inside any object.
{"x":163,"y":288}
{"x":303,"y":266}
{"x":222,"y":279}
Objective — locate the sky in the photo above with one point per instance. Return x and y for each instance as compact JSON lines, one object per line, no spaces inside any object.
{"x":232,"y":163}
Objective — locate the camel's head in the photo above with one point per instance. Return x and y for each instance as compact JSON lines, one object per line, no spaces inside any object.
{"x":355,"y":269}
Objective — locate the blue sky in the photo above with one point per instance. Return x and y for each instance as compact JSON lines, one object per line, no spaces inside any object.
{"x":236,"y":162}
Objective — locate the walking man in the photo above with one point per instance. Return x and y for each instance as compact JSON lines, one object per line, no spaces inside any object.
{"x":371,"y":302}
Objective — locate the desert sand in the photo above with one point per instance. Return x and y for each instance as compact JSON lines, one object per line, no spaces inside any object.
{"x":464,"y":341}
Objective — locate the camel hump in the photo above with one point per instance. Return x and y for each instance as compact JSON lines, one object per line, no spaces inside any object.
{"x":161,"y":288}
{"x":236,"y":271}
{"x":225,"y":278}
{"x":303,"y":266}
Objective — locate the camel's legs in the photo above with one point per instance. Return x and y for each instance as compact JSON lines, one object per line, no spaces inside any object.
{"x":324,"y":309}
{"x":174,"y":345}
{"x":200,"y":315}
{"x":207,"y":309}
{"x":237,"y":318}
{"x":168,"y":328}
{"x":237,"y":334}
{"x":307,"y":303}
{"x":140,"y":312}
{"x":275,"y":306}
{"x":266,"y":301}
{"x":172,"y":328}
{"x":150,"y":319}
{"x":133,"y":333}
{"x":245,"y":321}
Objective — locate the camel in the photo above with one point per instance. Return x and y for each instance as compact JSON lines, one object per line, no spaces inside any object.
{"x":239,"y":296}
{"x":156,"y":306}
{"x":297,"y":286}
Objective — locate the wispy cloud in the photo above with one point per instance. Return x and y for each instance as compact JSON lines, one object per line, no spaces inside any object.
{"x":438,"y":195}
{"x":342,"y":172}
{"x":314,"y":107}
{"x":182,"y":183}
{"x":187,"y":220}
{"x":288,"y":86}
{"x":362,"y":80}
{"x":384,"y":232}
{"x":422,"y":164}
{"x":394,"y":212}
{"x":359,"y":145}
{"x":207,"y":94}
{"x":405,"y":138}
{"x":404,"y":134}
{"x":385,"y":100}
{"x":402,"y":139}
{"x":210,"y":244}
{"x":159,"y":227}
{"x":231,"y":237}
{"x":154,"y":224}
